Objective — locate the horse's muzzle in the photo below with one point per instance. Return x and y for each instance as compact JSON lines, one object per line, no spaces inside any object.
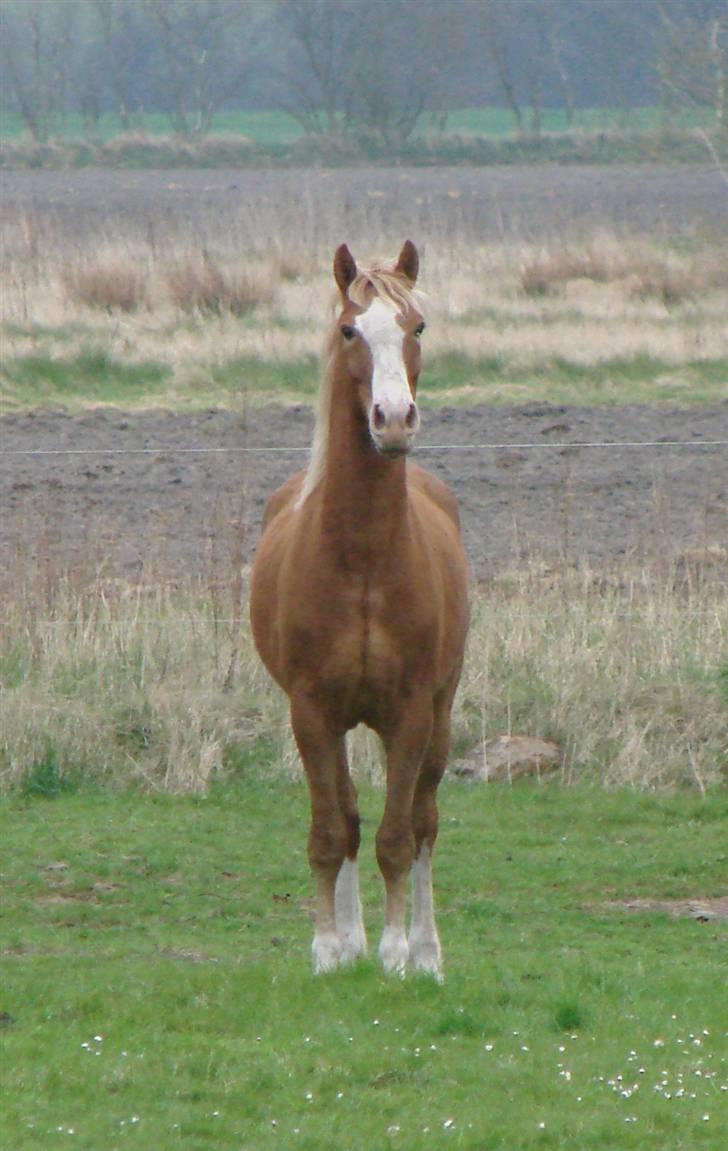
{"x":393,"y":430}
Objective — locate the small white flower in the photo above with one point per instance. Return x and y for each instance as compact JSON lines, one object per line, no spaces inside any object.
{"x":448,"y":1124}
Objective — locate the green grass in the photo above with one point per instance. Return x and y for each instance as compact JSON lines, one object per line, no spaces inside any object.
{"x":631,"y":379}
{"x":274,"y":127}
{"x":156,"y":989}
{"x":498,"y":122}
{"x":268,"y":126}
{"x":93,"y":376}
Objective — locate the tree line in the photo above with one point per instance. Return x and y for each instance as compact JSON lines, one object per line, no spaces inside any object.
{"x":343,"y":68}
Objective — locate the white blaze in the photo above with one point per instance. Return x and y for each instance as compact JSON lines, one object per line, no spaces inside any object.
{"x":390,"y":386}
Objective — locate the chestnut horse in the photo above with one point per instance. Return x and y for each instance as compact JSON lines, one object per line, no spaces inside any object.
{"x":359,"y":611}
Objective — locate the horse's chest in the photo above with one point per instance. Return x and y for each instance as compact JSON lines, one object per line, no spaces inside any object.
{"x":363,"y":645}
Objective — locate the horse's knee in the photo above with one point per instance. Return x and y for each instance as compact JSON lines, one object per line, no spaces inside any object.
{"x":328,"y":844}
{"x":395,"y":850}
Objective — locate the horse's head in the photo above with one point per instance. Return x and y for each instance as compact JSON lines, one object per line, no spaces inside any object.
{"x":378,"y":328}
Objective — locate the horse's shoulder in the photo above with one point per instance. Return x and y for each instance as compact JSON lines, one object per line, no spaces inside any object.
{"x":435,"y":490}
{"x":283,"y":498}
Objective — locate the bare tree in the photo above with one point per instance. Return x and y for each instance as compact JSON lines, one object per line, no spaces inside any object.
{"x":201,"y":42}
{"x":120,"y":48}
{"x":497,"y":31}
{"x":369,"y":70}
{"x":692,"y":56}
{"x":318,"y":75}
{"x":521,"y":42}
{"x":36,"y":45}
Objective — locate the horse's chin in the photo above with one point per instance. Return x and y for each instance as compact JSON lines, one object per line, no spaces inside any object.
{"x":392,"y":451}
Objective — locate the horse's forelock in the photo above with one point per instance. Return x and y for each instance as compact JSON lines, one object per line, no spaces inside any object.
{"x":390,"y":286}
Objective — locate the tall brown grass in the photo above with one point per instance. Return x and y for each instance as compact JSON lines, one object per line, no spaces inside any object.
{"x":112,"y":284}
{"x":645,"y":270}
{"x":159,"y":687}
{"x":201,"y":285}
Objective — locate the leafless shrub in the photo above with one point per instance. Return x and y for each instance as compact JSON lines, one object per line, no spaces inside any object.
{"x":113,"y":284}
{"x":673,"y":282}
{"x":541,"y":273}
{"x":646,"y":271}
{"x":295,"y":264}
{"x":201,"y":286}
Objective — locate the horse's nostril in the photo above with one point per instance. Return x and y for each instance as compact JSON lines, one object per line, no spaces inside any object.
{"x":378,"y":417}
{"x":411,"y":420}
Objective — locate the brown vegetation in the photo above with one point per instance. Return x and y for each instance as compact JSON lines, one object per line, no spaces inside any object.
{"x":111,"y":283}
{"x":202,"y":286}
{"x":645,"y":270}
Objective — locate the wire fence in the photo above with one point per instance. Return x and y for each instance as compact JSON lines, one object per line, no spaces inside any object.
{"x":271,"y":449}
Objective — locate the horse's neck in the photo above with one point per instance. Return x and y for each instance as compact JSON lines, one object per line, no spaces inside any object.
{"x":364,"y":495}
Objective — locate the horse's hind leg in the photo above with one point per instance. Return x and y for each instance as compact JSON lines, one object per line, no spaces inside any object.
{"x":423,"y":940}
{"x":330,"y":837}
{"x":349,"y":919}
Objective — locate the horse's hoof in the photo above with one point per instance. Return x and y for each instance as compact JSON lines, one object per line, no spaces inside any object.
{"x":326,"y":951}
{"x":394,"y":951}
{"x":426,"y":957}
{"x":353,"y":947}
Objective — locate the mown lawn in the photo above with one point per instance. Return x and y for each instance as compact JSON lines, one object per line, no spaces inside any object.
{"x":156,"y":989}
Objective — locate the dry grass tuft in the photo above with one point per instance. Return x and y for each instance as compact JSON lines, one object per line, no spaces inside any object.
{"x":201,"y":286}
{"x":115,"y":285}
{"x":647,"y":271}
{"x":600,"y":260}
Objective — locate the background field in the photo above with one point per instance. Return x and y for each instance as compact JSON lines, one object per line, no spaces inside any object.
{"x":155,"y":923}
{"x":273,"y":127}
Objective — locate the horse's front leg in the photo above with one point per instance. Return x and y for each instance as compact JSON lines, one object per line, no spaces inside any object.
{"x":349,"y":918}
{"x":405,"y":749}
{"x":423,"y":940}
{"x":330,"y":836}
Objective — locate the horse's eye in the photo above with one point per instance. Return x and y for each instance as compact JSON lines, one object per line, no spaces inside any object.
{"x":348,"y":332}
{"x":420,"y":329}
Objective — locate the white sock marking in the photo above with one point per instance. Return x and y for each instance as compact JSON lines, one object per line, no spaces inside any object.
{"x":424,"y":942}
{"x":393,"y":950}
{"x":349,"y":920}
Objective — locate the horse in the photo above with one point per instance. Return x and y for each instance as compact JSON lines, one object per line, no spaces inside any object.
{"x":359,"y":611}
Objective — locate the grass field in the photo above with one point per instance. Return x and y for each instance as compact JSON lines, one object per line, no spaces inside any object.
{"x":268,"y":127}
{"x":156,"y":989}
{"x":188,"y":322}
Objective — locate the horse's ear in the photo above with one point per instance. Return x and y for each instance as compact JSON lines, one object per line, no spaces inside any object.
{"x":344,"y":268}
{"x":408,"y":263}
